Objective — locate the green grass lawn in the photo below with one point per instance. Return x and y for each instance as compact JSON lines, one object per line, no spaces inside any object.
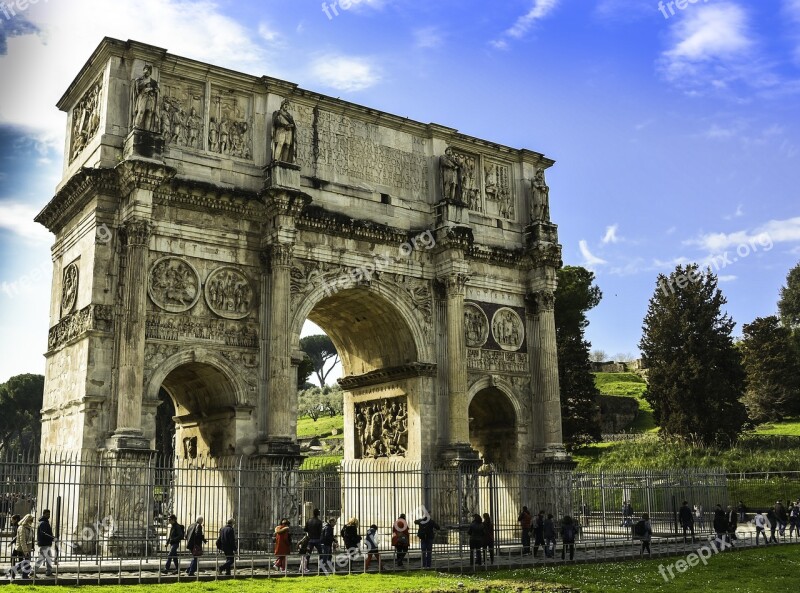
{"x":789,"y":427}
{"x":323,"y":427}
{"x":771,"y":570}
{"x":629,"y":385}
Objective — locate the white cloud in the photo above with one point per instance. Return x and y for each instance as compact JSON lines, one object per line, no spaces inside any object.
{"x":792,"y":10}
{"x":589,"y":259}
{"x":345,"y":73}
{"x":728,"y":278}
{"x":428,"y":38}
{"x":539,"y":10}
{"x":267,"y":33}
{"x":39,"y":66}
{"x":17,"y":218}
{"x":711,"y":45}
{"x":611,"y":234}
{"x":764,"y":236}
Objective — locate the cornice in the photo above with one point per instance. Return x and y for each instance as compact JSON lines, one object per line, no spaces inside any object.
{"x":73,"y":195}
{"x":379,"y":376}
{"x":207,"y":196}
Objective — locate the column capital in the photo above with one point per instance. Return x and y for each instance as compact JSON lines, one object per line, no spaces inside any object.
{"x":142,"y":174}
{"x":278,"y":255}
{"x":454,"y":284}
{"x":136,"y":232}
{"x":541,"y":301}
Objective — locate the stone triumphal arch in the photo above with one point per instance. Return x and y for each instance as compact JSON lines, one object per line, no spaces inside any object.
{"x":205,"y":214}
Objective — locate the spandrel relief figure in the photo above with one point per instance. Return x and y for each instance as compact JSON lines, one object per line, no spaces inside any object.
{"x":284,"y":148}
{"x":540,"y":205}
{"x":145,"y":89}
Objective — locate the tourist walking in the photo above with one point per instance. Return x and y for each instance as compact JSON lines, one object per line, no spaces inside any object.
{"x":720,"y":524}
{"x":45,"y":539}
{"x":783,"y":517}
{"x":24,"y":547}
{"x":13,"y":526}
{"x":644,"y":531}
{"x":283,"y":545}
{"x":742,"y":510}
{"x":794,"y":518}
{"x":538,"y":533}
{"x":350,"y":535}
{"x":760,"y":521}
{"x":174,"y":539}
{"x":488,"y":539}
{"x":686,"y":520}
{"x":477,"y":535}
{"x":195,"y":538}
{"x":328,"y":541}
{"x":627,"y":514}
{"x":372,"y":548}
{"x":426,"y":535}
{"x":226,"y":542}
{"x":567,"y":537}
{"x":699,"y":517}
{"x":549,"y":528}
{"x":400,"y":539}
{"x":525,"y":520}
{"x":313,"y":529}
{"x":732,"y":524}
{"x":772,"y":519}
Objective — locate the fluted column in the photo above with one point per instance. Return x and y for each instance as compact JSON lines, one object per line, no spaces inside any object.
{"x":135,"y":236}
{"x":458,"y":408}
{"x":544,"y":373}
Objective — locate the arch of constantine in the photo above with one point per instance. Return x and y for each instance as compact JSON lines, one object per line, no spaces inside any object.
{"x":204,"y":215}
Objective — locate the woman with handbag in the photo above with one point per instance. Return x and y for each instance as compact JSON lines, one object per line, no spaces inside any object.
{"x":283,"y":544}
{"x":195,"y":538}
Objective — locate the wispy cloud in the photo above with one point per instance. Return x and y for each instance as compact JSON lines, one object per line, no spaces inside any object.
{"x":345,"y":73}
{"x":777,"y":231}
{"x":727,"y":278}
{"x":539,"y":10}
{"x":711,"y":48}
{"x":17,"y":218}
{"x":611,"y":235}
{"x":738,"y":214}
{"x":428,"y":38}
{"x":792,"y":10}
{"x":589,"y":259}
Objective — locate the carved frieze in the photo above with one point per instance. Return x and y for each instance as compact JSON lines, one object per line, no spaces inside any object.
{"x":381,"y":428}
{"x":508,"y":329}
{"x":476,"y":326}
{"x":182,"y":113}
{"x":156,"y":353}
{"x":174,"y":284}
{"x":161,"y":326}
{"x":229,"y":293}
{"x":93,"y":317}
{"x":69,"y":289}
{"x":418,"y":291}
{"x":497,"y":187}
{"x":497,"y":361}
{"x":85,"y":119}
{"x":230,"y":125}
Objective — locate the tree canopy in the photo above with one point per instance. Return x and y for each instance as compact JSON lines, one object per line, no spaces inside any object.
{"x":789,"y":303}
{"x":320,"y":350}
{"x":695,"y":379}
{"x":20,"y":411}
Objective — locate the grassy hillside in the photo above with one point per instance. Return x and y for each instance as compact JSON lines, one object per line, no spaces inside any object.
{"x":629,"y":385}
{"x":322,"y":428}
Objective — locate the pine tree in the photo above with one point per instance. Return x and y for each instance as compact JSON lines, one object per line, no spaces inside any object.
{"x":580,"y":413}
{"x":772,"y":370}
{"x":695,"y":378}
{"x":789,"y":304}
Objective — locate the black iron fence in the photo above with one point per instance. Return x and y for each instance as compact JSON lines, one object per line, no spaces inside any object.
{"x":115,"y":505}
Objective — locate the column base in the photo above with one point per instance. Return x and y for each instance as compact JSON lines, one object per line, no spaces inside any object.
{"x":552,"y":454}
{"x":279,"y":448}
{"x":458,"y":454}
{"x":128,"y":441}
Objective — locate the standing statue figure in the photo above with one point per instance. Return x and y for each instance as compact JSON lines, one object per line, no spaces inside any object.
{"x":540,"y":207}
{"x":450,"y":167}
{"x":284,"y":147}
{"x":145,"y":93}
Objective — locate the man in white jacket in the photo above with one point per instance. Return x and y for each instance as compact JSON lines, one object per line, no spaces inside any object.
{"x":760,"y":522}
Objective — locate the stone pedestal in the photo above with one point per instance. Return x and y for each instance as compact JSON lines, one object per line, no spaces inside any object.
{"x":145,"y":144}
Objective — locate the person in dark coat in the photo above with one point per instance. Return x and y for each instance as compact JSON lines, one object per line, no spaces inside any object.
{"x":720,"y":523}
{"x":567,"y":537}
{"x":525,"y":520}
{"x":783,"y":517}
{"x":488,"y":541}
{"x":426,"y":535}
{"x":174,"y":539}
{"x":772,"y":519}
{"x":742,"y":512}
{"x":45,"y":539}
{"x":538,"y":533}
{"x":313,"y":529}
{"x":226,"y":542}
{"x":477,"y":535}
{"x":549,"y":529}
{"x":732,"y":519}
{"x":327,"y":540}
{"x":686,"y":519}
{"x":195,"y":538}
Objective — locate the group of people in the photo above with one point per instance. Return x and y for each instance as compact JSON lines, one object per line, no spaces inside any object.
{"x":545,"y":532}
{"x":22,"y":544}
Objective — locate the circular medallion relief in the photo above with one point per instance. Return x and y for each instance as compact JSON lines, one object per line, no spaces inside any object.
{"x":476,"y":326}
{"x":69,"y":290}
{"x":174,"y":284}
{"x":507,"y":329}
{"x":229,"y":293}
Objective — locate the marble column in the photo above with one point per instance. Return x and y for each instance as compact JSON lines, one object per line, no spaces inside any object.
{"x":544,"y":374}
{"x":130,"y":388}
{"x":458,"y":408}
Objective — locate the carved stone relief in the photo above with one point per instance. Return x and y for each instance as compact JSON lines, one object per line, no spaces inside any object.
{"x":93,"y":317}
{"x":183,"y":113}
{"x":476,"y":326}
{"x":540,"y":203}
{"x":229,"y":293}
{"x":174,"y":284}
{"x":382,"y":428}
{"x":85,"y":119}
{"x":190,"y":447}
{"x":230,"y":126}
{"x":497,"y":187}
{"x":144,"y":100}
{"x":418,"y":291}
{"x":507,"y":329}
{"x":161,"y":326}
{"x":69,"y":289}
{"x":497,"y":361}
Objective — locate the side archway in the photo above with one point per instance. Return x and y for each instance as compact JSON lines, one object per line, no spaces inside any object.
{"x":495,"y":429}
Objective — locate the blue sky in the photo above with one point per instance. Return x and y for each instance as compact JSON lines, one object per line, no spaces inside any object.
{"x":676,"y":138}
